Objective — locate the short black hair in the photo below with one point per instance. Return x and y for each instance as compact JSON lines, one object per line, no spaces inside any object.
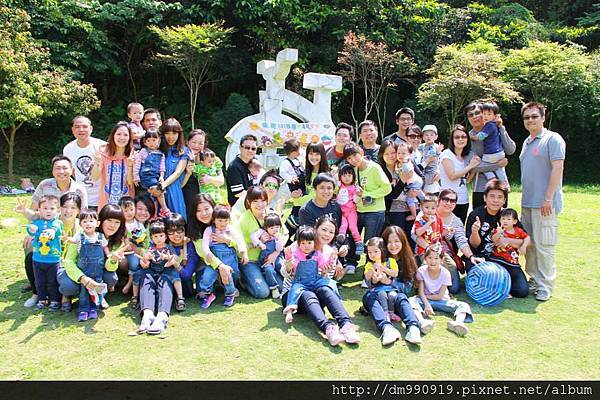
{"x":157,"y":227}
{"x":221,"y":212}
{"x":305,"y":233}
{"x":272,"y":219}
{"x":405,"y":110}
{"x":88,"y":213}
{"x":323,"y":177}
{"x":150,"y":133}
{"x":248,"y":137}
{"x":429,"y":198}
{"x":126,"y":201}
{"x":490,"y":105}
{"x":347,"y":169}
{"x":351,"y":148}
{"x":343,"y":125}
{"x":71,"y":196}
{"x":290,"y":146}
{"x":174,"y":221}
{"x":206,"y":153}
{"x":510,"y":212}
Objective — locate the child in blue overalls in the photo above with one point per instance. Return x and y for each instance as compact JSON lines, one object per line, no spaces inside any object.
{"x":159,"y":259}
{"x":93,"y":250}
{"x":306,"y":265}
{"x":226,"y":254}
{"x":149,"y":168}
{"x":272,"y":227}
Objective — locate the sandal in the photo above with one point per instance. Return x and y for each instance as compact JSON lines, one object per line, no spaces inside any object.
{"x":134,"y":303}
{"x":180,"y":306}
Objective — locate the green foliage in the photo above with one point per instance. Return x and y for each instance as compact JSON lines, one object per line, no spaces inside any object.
{"x":461,"y":74}
{"x":507,"y":26}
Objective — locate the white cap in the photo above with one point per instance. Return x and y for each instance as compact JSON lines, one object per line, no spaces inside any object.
{"x":430,"y":128}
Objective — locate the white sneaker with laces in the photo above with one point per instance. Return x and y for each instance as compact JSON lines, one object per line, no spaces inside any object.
{"x":389,"y":335}
{"x":427,"y":326}
{"x":413,"y":335}
{"x":32,"y":301}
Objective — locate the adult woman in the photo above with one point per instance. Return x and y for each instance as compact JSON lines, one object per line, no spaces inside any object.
{"x":250,"y":221}
{"x":455,"y":239}
{"x":480,"y":228}
{"x":312,"y":303}
{"x":316,"y":162}
{"x":457,"y":161}
{"x":276,"y":195}
{"x":112,"y":226}
{"x":398,"y":249}
{"x":114,"y":166}
{"x":387,"y":160}
{"x":177,"y":156}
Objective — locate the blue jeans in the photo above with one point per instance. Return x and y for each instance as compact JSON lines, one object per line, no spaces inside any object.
{"x":45,"y":280}
{"x":208,"y":278}
{"x":133,"y":264}
{"x":253,"y":280}
{"x":451,"y":306}
{"x":402,"y":307}
{"x":373,"y":223}
{"x":68,"y":287}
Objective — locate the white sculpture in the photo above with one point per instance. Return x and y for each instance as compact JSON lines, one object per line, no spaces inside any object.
{"x":307,"y":121}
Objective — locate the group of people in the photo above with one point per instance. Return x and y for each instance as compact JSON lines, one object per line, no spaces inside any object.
{"x":147,"y":205}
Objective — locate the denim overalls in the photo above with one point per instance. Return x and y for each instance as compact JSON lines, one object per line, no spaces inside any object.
{"x":228,"y":256}
{"x":91,"y":263}
{"x":269,"y":271}
{"x":149,"y":171}
{"x":307,"y":278}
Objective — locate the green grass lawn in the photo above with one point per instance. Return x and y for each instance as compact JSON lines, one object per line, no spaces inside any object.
{"x":519,"y":339}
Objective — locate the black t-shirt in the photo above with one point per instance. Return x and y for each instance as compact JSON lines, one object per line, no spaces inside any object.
{"x":488,"y":224}
{"x":310,"y":212}
{"x":238,"y":179}
{"x":371,"y":154}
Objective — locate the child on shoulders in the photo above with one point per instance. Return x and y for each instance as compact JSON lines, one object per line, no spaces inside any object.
{"x":149,"y":168}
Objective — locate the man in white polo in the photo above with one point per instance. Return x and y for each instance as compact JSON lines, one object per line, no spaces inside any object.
{"x":542,"y":162}
{"x":81,"y":153}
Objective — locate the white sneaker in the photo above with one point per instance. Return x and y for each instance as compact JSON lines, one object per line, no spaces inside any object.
{"x":458,"y":328}
{"x":413,"y":335}
{"x":275,"y":293}
{"x":32,"y":301}
{"x":104,"y":304}
{"x":389,"y":335}
{"x":542,"y":295}
{"x":145,"y":325}
{"x":427,"y":326}
{"x":350,"y":269}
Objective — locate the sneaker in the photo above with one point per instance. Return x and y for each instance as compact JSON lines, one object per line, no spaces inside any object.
{"x":532,"y":285}
{"x":104,"y":304}
{"x":146,"y":323}
{"x":389,"y":335}
{"x":350,"y":269}
{"x":458,"y":328}
{"x":54,"y":306}
{"x":349,"y":333}
{"x":229,"y":301}
{"x":93,"y":314}
{"x":158,"y":326}
{"x":413,"y":335}
{"x":360,"y":248}
{"x":206,"y":301}
{"x":427,"y":326}
{"x":40,"y":304}
{"x":542,"y":295}
{"x":32,"y":301}
{"x":394,"y":317}
{"x":66,"y":306}
{"x":82,"y":316}
{"x":333,"y":335}
{"x":275,"y":293}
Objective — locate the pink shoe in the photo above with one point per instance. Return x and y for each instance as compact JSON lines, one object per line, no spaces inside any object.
{"x":164,"y":213}
{"x":394,"y":317}
{"x":349,"y":333}
{"x":333,"y":335}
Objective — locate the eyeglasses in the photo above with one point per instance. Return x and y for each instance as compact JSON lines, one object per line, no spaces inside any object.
{"x":461,"y":137}
{"x":450,"y":200}
{"x":174,"y":231}
{"x":250,"y":148}
{"x":473,"y":114}
{"x":531,"y":117}
{"x":405,"y":119}
{"x":413,"y":136}
{"x":271,"y":185}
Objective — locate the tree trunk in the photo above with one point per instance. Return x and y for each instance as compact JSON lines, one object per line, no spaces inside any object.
{"x":11,"y":152}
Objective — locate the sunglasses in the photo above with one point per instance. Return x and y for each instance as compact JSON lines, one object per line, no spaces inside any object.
{"x":405,"y":119}
{"x":450,"y":200}
{"x":461,"y":137}
{"x":532,"y":117}
{"x":271,"y":185}
{"x":473,"y":113}
{"x":174,"y":231}
{"x":413,"y":136}
{"x":251,"y":148}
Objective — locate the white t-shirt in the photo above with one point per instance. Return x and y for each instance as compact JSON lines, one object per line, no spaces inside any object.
{"x":82,"y":159}
{"x":458,"y":185}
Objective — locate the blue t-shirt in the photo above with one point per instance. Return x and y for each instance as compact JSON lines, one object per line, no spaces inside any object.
{"x":491,"y":142}
{"x":46,"y":240}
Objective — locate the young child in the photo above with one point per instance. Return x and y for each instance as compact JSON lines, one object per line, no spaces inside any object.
{"x":93,"y":249}
{"x":430,"y":159}
{"x":306,"y":266}
{"x":221,"y":223}
{"x":433,"y":282}
{"x":509,"y":255}
{"x":347,"y":199}
{"x":161,"y":259}
{"x":275,"y":242}
{"x":46,"y":232}
{"x":429,"y":229}
{"x":407,"y":174}
{"x":381,"y":272}
{"x":291,"y":169}
{"x":256,"y":171}
{"x":209,"y":166}
{"x":135,"y":112}
{"x":138,"y":239}
{"x":492,"y":144}
{"x":149,"y":168}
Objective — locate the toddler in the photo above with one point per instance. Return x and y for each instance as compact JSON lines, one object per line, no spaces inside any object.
{"x":149,"y":168}
{"x":93,"y":249}
{"x":381,"y":272}
{"x":291,"y":169}
{"x":347,"y":199}
{"x":430,"y":159}
{"x":256,"y":171}
{"x":509,"y":255}
{"x":221,"y":224}
{"x":209,"y":166}
{"x":433,"y":282}
{"x":138,"y":240}
{"x":135,"y":112}
{"x":492,"y":144}
{"x":46,"y":231}
{"x":407,"y":174}
{"x":274,"y":242}
{"x":306,"y":265}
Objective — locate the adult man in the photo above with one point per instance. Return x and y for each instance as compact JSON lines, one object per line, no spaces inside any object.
{"x":322,"y":203}
{"x":151,"y":120}
{"x":405,"y":117}
{"x":542,"y":162}
{"x":475,"y":118}
{"x":81,"y":153}
{"x":238,"y":174}
{"x":368,"y":135}
{"x":343,"y":135}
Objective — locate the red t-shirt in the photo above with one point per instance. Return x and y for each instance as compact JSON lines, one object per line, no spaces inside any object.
{"x":432,"y":235}
{"x":510,"y":254}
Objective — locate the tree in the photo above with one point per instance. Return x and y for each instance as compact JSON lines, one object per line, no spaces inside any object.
{"x":30,"y":87}
{"x":371,"y":69}
{"x":461,"y":74}
{"x":191,"y":49}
